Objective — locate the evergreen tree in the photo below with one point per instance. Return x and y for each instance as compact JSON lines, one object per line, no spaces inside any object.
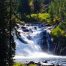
{"x":36,"y":6}
{"x":24,"y":8}
{"x":57,"y":8}
{"x":7,"y":45}
{"x":47,"y":1}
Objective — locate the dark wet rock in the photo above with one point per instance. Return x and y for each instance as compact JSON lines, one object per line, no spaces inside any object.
{"x":22,"y":40}
{"x":35,"y":28}
{"x":29,"y":37}
{"x":19,"y":37}
{"x":25,"y":30}
{"x":23,"y":27}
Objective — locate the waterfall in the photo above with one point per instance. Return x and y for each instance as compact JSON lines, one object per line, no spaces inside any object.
{"x":32,"y":40}
{"x":33,"y":43}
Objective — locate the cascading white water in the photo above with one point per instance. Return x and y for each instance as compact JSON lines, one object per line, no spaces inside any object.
{"x":29,"y":46}
{"x":28,"y":43}
{"x":29,"y":40}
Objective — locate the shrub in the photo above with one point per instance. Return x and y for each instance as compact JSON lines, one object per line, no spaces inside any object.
{"x":59,"y":30}
{"x":42,"y":17}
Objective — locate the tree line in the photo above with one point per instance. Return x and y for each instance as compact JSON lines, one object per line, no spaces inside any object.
{"x":7,"y":45}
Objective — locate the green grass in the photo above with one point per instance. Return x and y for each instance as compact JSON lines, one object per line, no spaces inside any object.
{"x":32,"y":65}
{"x":18,"y":64}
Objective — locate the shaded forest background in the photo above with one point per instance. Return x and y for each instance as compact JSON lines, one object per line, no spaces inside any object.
{"x":49,"y":12}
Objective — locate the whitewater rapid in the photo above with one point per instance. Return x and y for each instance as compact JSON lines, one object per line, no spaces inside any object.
{"x":28,"y":46}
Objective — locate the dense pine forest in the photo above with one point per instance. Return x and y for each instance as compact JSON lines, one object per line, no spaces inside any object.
{"x":48,"y":12}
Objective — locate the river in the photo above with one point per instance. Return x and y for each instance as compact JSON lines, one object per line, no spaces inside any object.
{"x":33,"y":42}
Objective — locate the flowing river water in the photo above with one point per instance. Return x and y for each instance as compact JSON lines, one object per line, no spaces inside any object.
{"x":33,"y":42}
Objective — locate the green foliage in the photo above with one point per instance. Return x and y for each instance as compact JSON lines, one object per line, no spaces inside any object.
{"x":59,"y":38}
{"x":32,"y":65}
{"x":59,"y":30}
{"x":18,"y":64}
{"x":63,"y":26}
{"x":57,"y":8}
{"x":42,"y":17}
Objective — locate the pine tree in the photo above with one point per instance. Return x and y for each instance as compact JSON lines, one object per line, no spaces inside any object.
{"x":7,"y":45}
{"x":57,"y":9}
{"x":24,"y":8}
{"x":36,"y":6}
